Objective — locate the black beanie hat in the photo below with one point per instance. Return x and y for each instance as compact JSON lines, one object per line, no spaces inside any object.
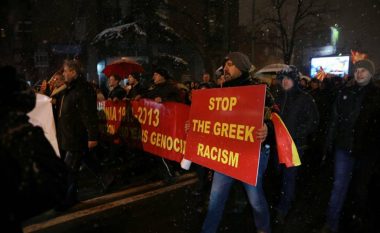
{"x":366,"y":64}
{"x":240,"y":60}
{"x":290,"y":72}
{"x":163,"y":72}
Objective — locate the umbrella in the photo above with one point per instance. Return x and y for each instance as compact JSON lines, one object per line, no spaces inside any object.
{"x":306,"y":77}
{"x":123,"y":68}
{"x":273,"y":68}
{"x":268,"y":72}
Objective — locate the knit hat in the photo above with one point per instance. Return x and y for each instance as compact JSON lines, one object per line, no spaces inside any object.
{"x":163,"y":72}
{"x":366,"y":64}
{"x":136,"y":75}
{"x":240,"y":60}
{"x":290,"y":72}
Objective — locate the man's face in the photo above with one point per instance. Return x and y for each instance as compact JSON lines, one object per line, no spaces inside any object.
{"x":231,"y":71}
{"x":157,"y":78}
{"x":59,"y":80}
{"x":112,"y":82}
{"x":303,"y":83}
{"x":362,"y":76}
{"x":287,"y":83}
{"x":131,"y":80}
{"x":69,"y":74}
{"x":206,"y":78}
{"x":314,"y":85}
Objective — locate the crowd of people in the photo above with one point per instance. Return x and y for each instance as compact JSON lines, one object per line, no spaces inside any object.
{"x":332,"y":120}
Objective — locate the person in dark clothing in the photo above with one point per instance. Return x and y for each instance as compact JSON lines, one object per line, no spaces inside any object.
{"x":163,"y":88}
{"x":323,"y":98}
{"x":134,"y":87}
{"x":300,"y":115}
{"x":207,"y":80}
{"x":116,"y":91}
{"x":33,"y":175}
{"x":236,"y":68}
{"x":354,"y":109}
{"x":363,"y":195}
{"x":77,"y":125}
{"x":315,"y":88}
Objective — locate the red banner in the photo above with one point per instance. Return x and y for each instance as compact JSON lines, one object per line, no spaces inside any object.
{"x":154,"y":127}
{"x":117,"y":123}
{"x":222,"y":132}
{"x":163,"y":127}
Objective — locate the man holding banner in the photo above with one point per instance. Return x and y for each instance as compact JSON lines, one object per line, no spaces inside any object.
{"x":236,"y":68}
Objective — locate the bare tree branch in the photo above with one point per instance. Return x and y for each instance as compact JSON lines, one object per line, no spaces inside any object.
{"x":289,"y":24}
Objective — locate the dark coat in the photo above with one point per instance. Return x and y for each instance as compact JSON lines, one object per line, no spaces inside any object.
{"x":345,"y":113}
{"x":117,"y":92}
{"x":34,"y":178}
{"x":77,"y":118}
{"x":299,"y":113}
{"x":364,"y":188}
{"x":166,"y":90}
{"x":367,"y":126}
{"x":135,"y":91}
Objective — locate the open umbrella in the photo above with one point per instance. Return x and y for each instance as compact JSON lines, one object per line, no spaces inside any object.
{"x":273,"y":68}
{"x":123,"y":68}
{"x":269,"y":72}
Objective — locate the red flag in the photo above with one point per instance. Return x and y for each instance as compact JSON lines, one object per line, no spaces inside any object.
{"x":286,"y":148}
{"x":321,"y":74}
{"x":357,"y":56}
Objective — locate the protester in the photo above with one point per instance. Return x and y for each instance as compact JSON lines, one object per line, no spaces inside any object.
{"x":162,"y":90}
{"x":354,"y":142}
{"x":206,"y":79}
{"x":363,"y":197}
{"x":134,"y":87}
{"x":303,"y":84}
{"x":77,"y":128}
{"x":33,"y":175}
{"x":323,"y":97}
{"x":314,"y":87}
{"x":299,"y":113}
{"x":236,"y":68}
{"x":116,"y":91}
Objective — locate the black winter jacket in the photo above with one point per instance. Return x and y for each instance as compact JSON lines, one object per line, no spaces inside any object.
{"x":135,"y":91}
{"x":166,"y":90}
{"x":346,"y":110}
{"x":367,"y":126}
{"x":299,"y":114}
{"x":77,"y":117}
{"x":34,"y":178}
{"x":118,"y":92}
